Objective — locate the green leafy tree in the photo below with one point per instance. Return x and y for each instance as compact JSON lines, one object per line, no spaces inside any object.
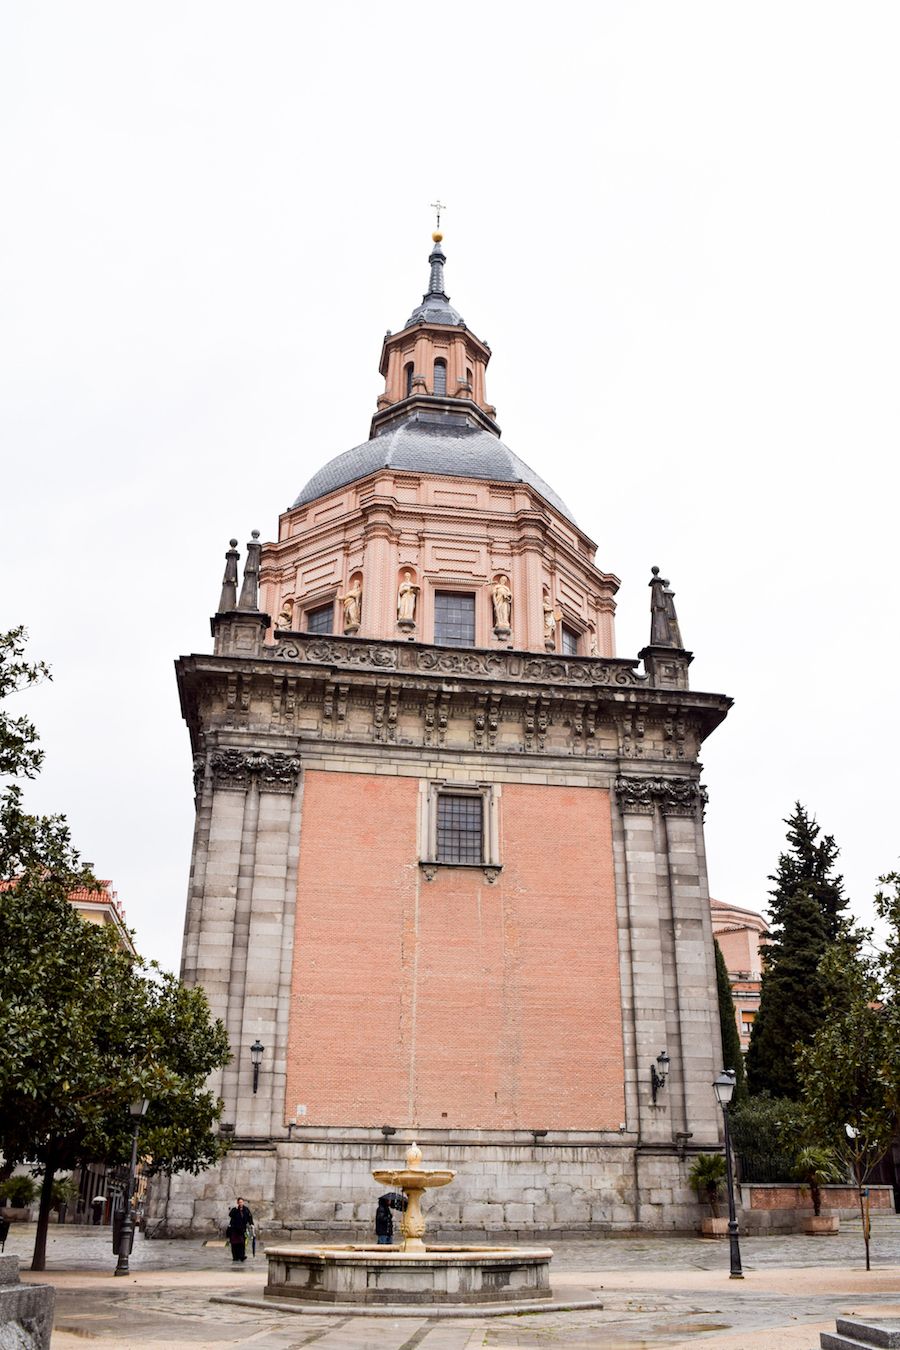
{"x":87,"y":1026}
{"x":731,"y":1042}
{"x":807,"y":908}
{"x":850,"y":1071}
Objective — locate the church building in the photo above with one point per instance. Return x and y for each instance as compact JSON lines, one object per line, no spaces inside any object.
{"x":448,"y":878}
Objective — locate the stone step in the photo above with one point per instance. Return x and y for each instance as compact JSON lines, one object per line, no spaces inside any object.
{"x":855,"y":1335}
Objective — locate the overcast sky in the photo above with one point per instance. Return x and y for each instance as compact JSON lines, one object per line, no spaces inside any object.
{"x":677,"y":225}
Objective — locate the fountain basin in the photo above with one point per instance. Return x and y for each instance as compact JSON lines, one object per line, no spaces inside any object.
{"x":366,"y":1273}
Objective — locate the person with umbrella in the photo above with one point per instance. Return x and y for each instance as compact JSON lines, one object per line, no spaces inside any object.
{"x":384,"y":1221}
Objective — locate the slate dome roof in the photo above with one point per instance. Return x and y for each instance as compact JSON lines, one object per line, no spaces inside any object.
{"x":457,"y":450}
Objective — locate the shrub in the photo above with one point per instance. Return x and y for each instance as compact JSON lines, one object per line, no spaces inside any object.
{"x":816,"y":1166}
{"x":765,"y":1136}
{"x":19,"y":1191}
{"x":64,"y":1192}
{"x":706,"y":1176}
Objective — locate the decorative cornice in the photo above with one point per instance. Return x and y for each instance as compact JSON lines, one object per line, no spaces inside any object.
{"x":527,"y":667}
{"x":234,"y":770}
{"x":675,"y":796}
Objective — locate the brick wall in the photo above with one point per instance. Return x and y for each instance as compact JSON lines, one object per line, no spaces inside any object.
{"x":454,"y":1003}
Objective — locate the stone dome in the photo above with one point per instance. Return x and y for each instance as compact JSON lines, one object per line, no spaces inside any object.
{"x":439,"y":445}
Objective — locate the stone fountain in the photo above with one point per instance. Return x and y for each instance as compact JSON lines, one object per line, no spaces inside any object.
{"x":413,"y":1181}
{"x":360,"y":1273}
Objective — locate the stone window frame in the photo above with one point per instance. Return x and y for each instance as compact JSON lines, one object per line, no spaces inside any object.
{"x":317,"y":608}
{"x":577,"y":626}
{"x":429,"y":792}
{"x":567,"y":630}
{"x":304,"y":605}
{"x":441,"y":587}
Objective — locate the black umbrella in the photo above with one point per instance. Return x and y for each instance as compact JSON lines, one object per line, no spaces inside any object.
{"x":396,"y":1200}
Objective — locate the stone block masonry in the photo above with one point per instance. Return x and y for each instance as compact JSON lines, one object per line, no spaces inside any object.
{"x":572,"y":1191}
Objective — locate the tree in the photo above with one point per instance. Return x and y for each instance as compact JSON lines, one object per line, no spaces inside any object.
{"x":807,"y":908}
{"x":706,"y":1177}
{"x":850,"y":1071}
{"x":732,"y":1054}
{"x":816,"y":1166}
{"x":808,"y":867}
{"x":790,"y":1005}
{"x":87,"y":1026}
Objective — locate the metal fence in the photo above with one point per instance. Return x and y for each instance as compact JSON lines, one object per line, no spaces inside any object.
{"x":765,"y":1166}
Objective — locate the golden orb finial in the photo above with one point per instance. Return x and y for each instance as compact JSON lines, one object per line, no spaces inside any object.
{"x":437,"y":236}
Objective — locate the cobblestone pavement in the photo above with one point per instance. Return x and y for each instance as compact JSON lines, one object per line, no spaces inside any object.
{"x":672,"y":1292}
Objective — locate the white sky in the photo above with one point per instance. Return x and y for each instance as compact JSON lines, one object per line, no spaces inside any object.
{"x":678,"y":226}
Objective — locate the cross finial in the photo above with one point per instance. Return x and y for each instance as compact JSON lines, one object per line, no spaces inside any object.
{"x":438,"y":207}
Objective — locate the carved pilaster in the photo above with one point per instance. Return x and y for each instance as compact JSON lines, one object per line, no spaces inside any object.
{"x":229,"y":770}
{"x":681,"y":796}
{"x":636,"y":795}
{"x":234,"y":770}
{"x":674,"y":796}
{"x":278,"y":773}
{"x":493,"y":719}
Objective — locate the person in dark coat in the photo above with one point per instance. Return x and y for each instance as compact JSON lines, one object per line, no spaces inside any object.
{"x":384,"y":1223}
{"x":239,"y":1220}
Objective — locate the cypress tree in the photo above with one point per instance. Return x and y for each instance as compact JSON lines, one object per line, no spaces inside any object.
{"x":807,"y":905}
{"x":808,"y":866}
{"x":791,"y":1000}
{"x":731,"y":1042}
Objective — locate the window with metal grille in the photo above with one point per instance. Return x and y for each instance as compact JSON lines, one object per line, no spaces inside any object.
{"x":440,"y":377}
{"x":569,"y":641}
{"x":320,"y":620}
{"x":460,"y":831}
{"x":454,"y":619}
{"x":408,"y":373}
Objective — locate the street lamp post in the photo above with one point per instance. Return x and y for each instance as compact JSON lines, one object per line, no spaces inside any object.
{"x":724,"y":1090}
{"x":137,"y":1110}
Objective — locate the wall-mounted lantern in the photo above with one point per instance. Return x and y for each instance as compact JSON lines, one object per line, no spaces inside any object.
{"x":659,"y":1073}
{"x":256,"y":1054}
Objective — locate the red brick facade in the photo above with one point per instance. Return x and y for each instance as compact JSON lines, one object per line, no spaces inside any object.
{"x":455,"y":1002}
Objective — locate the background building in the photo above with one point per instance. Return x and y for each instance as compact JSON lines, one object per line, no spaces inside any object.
{"x":742,"y":935}
{"x":448,"y":872}
{"x":102,"y":906}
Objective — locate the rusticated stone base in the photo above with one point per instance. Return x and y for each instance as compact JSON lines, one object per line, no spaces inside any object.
{"x":319,"y":1188}
{"x":440,"y":1274}
{"x":26,"y":1310}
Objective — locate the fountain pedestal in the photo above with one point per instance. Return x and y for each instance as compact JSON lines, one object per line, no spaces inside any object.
{"x":413,"y":1180}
